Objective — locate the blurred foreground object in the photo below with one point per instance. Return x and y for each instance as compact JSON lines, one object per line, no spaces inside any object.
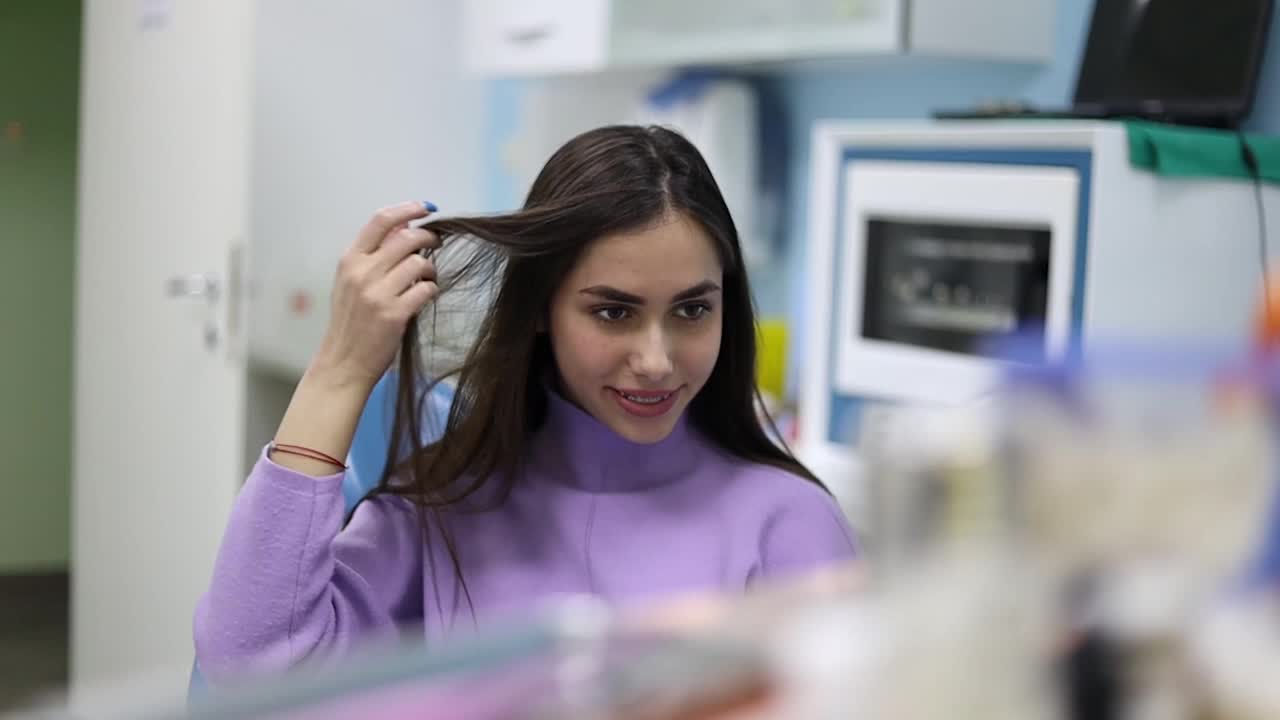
{"x":1083,"y":544}
{"x":1091,"y":534}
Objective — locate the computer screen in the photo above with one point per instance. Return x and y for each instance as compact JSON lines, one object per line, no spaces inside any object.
{"x":1198,"y":57}
{"x":954,"y":286}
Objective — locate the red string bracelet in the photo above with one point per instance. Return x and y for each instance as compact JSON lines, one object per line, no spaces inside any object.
{"x":305,"y":452}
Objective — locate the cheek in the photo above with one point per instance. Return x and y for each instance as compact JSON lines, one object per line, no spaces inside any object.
{"x":582,"y":350}
{"x":699,"y":352}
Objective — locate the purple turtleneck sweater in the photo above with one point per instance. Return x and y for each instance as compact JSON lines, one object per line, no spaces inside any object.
{"x":591,"y":513}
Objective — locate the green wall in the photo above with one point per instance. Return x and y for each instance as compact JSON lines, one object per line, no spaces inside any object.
{"x":39,"y":88}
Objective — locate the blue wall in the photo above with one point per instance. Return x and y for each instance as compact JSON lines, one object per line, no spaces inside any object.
{"x":872,"y":89}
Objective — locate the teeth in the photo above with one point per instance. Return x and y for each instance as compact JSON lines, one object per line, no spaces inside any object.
{"x":646,"y":401}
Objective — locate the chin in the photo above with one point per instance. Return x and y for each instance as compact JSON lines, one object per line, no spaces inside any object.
{"x":645,"y":433}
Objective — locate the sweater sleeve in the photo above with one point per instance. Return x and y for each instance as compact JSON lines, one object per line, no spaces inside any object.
{"x":291,"y":584}
{"x":806,"y":532}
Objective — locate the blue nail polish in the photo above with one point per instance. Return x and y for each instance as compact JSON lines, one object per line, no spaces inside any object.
{"x":430,"y":206}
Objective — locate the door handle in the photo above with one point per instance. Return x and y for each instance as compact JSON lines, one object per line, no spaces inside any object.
{"x":197,"y":285}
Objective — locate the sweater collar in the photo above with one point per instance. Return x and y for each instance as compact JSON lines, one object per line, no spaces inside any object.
{"x":575,"y":448}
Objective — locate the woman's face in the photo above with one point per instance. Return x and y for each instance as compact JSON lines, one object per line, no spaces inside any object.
{"x":635,"y":326}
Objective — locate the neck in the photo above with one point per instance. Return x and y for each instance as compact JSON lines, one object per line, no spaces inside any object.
{"x":575,"y":447}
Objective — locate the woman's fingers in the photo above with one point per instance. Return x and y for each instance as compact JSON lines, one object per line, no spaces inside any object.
{"x":417,"y":297}
{"x":381,"y":282}
{"x":384,"y":221}
{"x":403,"y":243}
{"x":412,"y":269}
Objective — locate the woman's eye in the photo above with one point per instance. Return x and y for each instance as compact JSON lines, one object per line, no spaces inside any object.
{"x":693,"y":311}
{"x":613,"y":313}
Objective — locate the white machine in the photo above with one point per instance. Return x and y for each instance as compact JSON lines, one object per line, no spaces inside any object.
{"x":927,"y":240}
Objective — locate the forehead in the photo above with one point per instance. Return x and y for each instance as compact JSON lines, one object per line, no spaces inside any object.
{"x":674,"y":253}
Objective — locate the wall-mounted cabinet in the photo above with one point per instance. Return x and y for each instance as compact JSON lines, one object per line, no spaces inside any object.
{"x":522,"y":37}
{"x":544,"y":36}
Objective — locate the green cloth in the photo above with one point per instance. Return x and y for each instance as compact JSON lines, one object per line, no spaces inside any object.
{"x":1177,"y":151}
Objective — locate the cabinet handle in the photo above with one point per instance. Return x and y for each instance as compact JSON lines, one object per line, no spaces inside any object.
{"x":529,"y":36}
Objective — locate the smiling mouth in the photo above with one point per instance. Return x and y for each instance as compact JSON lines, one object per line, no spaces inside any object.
{"x":646,"y":399}
{"x":646,"y":403}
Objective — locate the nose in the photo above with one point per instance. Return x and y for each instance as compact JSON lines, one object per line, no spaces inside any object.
{"x":651,"y":358}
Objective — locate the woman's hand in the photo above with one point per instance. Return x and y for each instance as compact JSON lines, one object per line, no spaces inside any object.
{"x":382,"y":281}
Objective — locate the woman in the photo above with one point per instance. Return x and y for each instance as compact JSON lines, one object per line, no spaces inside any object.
{"x":604,"y":437}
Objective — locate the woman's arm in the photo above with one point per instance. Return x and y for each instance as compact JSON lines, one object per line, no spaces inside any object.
{"x":289,"y":583}
{"x":382,"y":282}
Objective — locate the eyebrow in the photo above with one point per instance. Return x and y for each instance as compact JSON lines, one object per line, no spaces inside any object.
{"x":615,"y":295}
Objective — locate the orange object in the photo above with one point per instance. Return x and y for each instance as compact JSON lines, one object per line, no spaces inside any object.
{"x":1266,"y":334}
{"x":1234,"y":391}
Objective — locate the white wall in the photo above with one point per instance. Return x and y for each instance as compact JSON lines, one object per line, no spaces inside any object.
{"x":357,"y":105}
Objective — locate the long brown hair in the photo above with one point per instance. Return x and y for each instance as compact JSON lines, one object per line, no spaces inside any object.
{"x":608,"y":180}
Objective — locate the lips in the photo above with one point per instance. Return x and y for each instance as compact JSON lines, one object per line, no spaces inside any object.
{"x":646,"y":403}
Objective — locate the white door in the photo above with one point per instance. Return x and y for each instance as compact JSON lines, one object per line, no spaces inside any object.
{"x":159,"y":375}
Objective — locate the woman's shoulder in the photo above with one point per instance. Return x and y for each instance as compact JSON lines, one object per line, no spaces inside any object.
{"x":798,"y":523}
{"x":775,"y":488}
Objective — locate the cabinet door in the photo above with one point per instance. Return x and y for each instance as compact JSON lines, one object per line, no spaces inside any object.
{"x":677,"y":31}
{"x":159,"y":369}
{"x":990,"y":29}
{"x":536,"y":36}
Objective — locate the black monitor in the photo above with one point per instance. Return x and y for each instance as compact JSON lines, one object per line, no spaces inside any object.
{"x":1194,"y":61}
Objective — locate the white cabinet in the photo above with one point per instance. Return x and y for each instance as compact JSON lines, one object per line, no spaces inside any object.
{"x":553,"y":36}
{"x":1019,"y":30}
{"x":678,"y":31}
{"x":512,"y":36}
